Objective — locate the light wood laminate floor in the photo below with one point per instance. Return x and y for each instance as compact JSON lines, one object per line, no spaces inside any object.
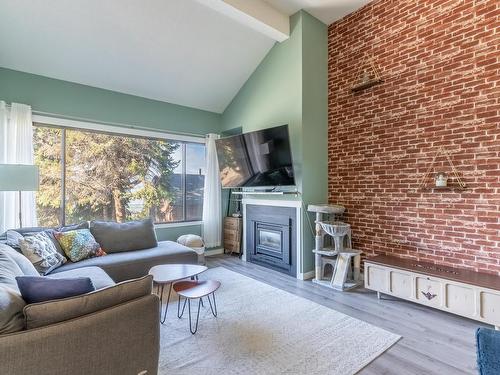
{"x":433,"y":342}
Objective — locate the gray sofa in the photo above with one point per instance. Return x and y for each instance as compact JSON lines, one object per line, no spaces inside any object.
{"x":118,"y":334}
{"x":135,"y":263}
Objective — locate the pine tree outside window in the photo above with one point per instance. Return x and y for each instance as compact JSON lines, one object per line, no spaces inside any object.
{"x":91,"y":175}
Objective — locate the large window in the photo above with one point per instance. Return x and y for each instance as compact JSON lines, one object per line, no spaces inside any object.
{"x":86,"y":175}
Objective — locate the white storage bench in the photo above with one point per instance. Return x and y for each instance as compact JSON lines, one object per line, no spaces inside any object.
{"x":467,"y":293}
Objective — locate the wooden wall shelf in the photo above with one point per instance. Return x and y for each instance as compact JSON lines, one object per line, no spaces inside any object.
{"x":366,"y":84}
{"x":444,"y":188}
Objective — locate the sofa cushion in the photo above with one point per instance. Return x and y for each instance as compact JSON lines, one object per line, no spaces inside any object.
{"x":132,"y":264}
{"x":24,"y":264}
{"x":99,"y":278}
{"x":39,"y":289}
{"x":45,"y":313}
{"x":11,"y":302}
{"x":117,"y":237}
{"x":40,"y":250}
{"x":30,"y":231}
{"x":11,"y":310}
{"x":78,"y":244}
{"x":13,"y":238}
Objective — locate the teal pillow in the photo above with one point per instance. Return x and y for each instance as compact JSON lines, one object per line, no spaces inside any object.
{"x":79,"y":244}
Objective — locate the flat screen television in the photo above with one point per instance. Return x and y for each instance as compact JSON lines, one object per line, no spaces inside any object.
{"x":257,"y":159}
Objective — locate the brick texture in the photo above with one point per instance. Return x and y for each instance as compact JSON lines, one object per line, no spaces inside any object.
{"x":440,"y":65}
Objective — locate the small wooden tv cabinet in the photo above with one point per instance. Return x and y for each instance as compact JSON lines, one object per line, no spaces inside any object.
{"x":467,"y":293}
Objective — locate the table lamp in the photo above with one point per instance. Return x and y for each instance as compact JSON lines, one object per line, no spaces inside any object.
{"x":18,"y":177}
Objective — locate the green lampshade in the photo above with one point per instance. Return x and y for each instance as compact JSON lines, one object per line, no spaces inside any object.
{"x":18,"y":177}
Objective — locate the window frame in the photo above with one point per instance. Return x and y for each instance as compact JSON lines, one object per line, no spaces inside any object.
{"x":121,"y":130}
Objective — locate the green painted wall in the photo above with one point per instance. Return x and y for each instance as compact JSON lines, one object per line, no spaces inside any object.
{"x":73,"y":100}
{"x":69,"y":99}
{"x":272,"y":94}
{"x":314,"y":122}
{"x":290,"y":87}
{"x":173,"y":233}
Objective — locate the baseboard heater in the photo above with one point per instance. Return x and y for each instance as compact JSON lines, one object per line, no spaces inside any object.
{"x":467,"y":293}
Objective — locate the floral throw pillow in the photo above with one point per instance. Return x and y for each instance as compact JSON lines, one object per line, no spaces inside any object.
{"x":79,"y":244}
{"x":41,"y":251}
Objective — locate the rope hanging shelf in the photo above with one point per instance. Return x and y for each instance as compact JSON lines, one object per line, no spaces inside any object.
{"x":423,"y":181}
{"x":370,"y":76}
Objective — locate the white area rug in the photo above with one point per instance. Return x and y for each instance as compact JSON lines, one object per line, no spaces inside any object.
{"x":264,"y":330}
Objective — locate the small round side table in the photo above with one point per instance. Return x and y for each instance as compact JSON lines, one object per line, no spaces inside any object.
{"x":169,"y":273}
{"x":193,"y":290}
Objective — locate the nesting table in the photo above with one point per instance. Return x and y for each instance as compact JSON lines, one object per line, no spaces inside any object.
{"x":196,"y":290}
{"x":167,"y":274}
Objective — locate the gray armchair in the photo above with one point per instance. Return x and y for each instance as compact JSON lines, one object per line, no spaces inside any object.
{"x":119,"y":340}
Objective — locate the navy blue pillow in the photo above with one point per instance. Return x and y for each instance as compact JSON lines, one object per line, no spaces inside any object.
{"x":38,"y":289}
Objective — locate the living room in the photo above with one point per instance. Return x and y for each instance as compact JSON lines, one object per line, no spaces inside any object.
{"x":250,"y":187}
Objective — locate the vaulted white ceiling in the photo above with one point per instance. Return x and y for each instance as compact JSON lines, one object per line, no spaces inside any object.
{"x":327,"y":11}
{"x":178,"y":51}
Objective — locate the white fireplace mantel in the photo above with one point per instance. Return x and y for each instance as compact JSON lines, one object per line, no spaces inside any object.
{"x":297,"y":204}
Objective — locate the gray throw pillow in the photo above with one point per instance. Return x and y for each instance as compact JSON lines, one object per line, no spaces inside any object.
{"x":51,"y":312}
{"x":11,"y":302}
{"x":13,"y":238}
{"x":24,"y":264}
{"x":116,"y":237}
{"x":40,"y":250}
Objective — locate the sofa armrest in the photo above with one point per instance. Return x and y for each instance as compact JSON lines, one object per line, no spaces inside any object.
{"x":123,"y":339}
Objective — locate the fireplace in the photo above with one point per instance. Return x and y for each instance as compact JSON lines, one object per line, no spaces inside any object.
{"x":271,"y":237}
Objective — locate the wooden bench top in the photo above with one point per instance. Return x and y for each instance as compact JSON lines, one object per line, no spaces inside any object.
{"x":460,"y":275}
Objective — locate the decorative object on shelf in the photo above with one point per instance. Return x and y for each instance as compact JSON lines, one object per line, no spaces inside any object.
{"x":441,"y":179}
{"x":344,"y":261}
{"x":234,"y":203}
{"x":370,"y":76}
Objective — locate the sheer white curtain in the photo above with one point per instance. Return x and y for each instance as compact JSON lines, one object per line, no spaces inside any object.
{"x":212,"y":209}
{"x":16,"y":147}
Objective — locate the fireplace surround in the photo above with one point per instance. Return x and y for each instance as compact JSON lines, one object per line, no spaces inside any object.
{"x":272,"y":234}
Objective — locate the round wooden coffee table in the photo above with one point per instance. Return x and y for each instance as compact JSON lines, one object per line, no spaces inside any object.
{"x":192,"y":290}
{"x":169,"y":273}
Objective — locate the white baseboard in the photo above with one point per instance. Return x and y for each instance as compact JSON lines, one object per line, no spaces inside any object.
{"x":212,"y":252}
{"x":306,"y":276}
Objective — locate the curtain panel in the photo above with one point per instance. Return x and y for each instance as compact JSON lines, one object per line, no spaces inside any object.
{"x":212,"y":205}
{"x":16,"y":147}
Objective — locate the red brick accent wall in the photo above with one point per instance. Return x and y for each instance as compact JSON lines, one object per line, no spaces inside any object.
{"x":440,"y":65}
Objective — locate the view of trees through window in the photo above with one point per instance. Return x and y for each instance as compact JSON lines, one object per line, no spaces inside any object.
{"x":87,"y":175}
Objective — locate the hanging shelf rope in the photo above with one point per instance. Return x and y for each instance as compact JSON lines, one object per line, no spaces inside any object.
{"x":441,"y":151}
{"x":370,"y":76}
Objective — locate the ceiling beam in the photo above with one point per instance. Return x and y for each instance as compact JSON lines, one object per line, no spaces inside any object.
{"x":256,"y":14}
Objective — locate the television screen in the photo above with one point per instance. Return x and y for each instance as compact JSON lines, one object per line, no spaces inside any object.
{"x":256,"y":159}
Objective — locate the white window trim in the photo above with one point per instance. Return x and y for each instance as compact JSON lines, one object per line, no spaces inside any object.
{"x":178,"y":224}
{"x":84,"y":125}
